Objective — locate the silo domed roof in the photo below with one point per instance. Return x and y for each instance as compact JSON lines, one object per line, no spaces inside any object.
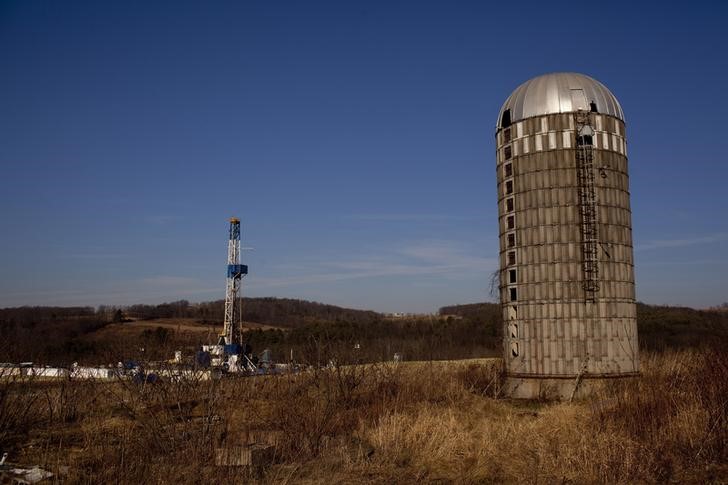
{"x":559,"y":92}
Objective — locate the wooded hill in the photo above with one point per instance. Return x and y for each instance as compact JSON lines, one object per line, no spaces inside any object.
{"x":280,"y":312}
{"x":62,"y":335}
{"x":658,"y":326}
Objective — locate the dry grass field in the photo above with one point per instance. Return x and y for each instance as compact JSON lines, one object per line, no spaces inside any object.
{"x":439,"y":422}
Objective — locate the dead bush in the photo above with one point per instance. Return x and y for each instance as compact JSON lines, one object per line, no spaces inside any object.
{"x":19,"y":407}
{"x":676,"y":414}
{"x":483,"y":379}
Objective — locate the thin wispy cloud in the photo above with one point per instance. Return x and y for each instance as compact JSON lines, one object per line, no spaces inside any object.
{"x":449,"y":254}
{"x":167,"y":281}
{"x":405,"y":217}
{"x":681,"y":242}
{"x":697,"y":262}
{"x":426,"y":258}
{"x":177,"y":285}
{"x":98,"y":256}
{"x":162,"y":219}
{"x":153,"y":289}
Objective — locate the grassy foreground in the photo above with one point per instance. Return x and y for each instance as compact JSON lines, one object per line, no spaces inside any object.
{"x":415,"y":422}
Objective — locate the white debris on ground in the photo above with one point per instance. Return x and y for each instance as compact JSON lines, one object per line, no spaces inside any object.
{"x":33,"y":474}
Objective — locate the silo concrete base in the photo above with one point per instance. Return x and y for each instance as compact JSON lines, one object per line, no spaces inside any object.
{"x":561,"y":388}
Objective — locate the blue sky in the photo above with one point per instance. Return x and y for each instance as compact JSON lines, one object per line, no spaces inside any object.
{"x":353,"y":139}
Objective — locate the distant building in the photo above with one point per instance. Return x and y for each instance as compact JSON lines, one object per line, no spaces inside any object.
{"x":398,"y":315}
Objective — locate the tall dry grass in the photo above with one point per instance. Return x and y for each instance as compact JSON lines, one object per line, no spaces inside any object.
{"x":412,"y":422}
{"x":670,"y":424}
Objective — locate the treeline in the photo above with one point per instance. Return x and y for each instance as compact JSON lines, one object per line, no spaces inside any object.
{"x":428,"y":338}
{"x":328,"y":329}
{"x":48,"y":333}
{"x":312,"y":330}
{"x":281,"y":312}
{"x":41,"y":314}
{"x":316,"y":332}
{"x":480,"y":312}
{"x":659,"y":327}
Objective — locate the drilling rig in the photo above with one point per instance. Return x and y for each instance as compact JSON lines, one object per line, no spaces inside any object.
{"x":227,"y":353}
{"x":232,"y":328}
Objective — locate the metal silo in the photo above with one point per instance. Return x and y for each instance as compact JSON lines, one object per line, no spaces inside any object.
{"x":566,"y":264}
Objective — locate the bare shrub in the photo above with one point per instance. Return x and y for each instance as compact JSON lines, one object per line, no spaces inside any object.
{"x":483,"y":379}
{"x":67,"y":400}
{"x":676,"y":415}
{"x":161,"y":430}
{"x":19,"y":406}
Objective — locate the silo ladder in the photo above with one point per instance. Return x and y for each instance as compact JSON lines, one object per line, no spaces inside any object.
{"x":587,"y":204}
